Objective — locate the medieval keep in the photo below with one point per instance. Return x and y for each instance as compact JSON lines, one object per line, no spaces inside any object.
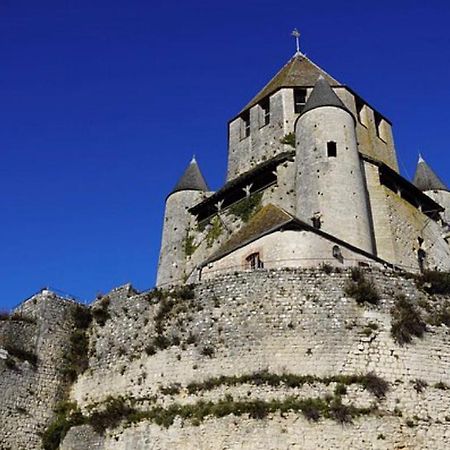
{"x":312,"y":179}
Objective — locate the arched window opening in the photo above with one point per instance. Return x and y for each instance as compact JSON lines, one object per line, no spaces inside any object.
{"x":253,"y":261}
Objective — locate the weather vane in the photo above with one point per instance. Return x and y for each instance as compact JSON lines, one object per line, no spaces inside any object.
{"x":296,"y":34}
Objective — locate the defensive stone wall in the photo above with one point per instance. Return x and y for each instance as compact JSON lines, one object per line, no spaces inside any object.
{"x":270,"y":340}
{"x":33,"y":342}
{"x":281,"y":359}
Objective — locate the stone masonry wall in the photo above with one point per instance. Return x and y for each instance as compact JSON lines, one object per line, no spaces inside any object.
{"x":28,"y":390}
{"x":281,"y":321}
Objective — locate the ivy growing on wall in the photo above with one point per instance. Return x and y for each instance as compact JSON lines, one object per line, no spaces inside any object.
{"x":189,"y":245}
{"x":245,"y":208}
{"x":288,"y":139}
{"x":214,"y":231}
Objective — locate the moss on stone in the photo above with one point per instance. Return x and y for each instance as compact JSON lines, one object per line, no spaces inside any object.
{"x":245,"y":208}
{"x":214,"y":232}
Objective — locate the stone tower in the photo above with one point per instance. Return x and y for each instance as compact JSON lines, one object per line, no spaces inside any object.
{"x":329,"y":169}
{"x":427,"y":181}
{"x":190,"y":189}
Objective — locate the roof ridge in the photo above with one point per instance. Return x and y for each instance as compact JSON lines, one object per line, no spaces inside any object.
{"x":298,"y":71}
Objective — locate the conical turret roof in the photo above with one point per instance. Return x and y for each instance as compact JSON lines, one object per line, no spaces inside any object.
{"x":191,"y":180}
{"x":298,"y":72}
{"x":425,"y":179}
{"x":323,"y":95}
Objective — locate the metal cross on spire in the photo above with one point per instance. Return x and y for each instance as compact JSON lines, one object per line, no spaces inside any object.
{"x":296,"y":34}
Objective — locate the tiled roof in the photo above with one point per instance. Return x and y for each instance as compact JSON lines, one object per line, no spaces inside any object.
{"x":322,"y":95}
{"x":191,"y":180}
{"x":425,"y":179}
{"x":298,"y":72}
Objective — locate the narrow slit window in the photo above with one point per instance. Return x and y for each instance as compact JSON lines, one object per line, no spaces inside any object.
{"x":245,"y":124}
{"x":299,"y":100}
{"x":265,"y":112}
{"x":332,"y":149}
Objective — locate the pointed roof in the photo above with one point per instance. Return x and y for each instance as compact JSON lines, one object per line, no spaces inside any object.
{"x":425,"y":179}
{"x":298,"y":72}
{"x":191,"y":180}
{"x":322,"y":95}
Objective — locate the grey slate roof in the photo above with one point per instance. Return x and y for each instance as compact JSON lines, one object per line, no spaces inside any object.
{"x":322,"y":95}
{"x":191,"y":180}
{"x":425,"y":179}
{"x":298,"y":72}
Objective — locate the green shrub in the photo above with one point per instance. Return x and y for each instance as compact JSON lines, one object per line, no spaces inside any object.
{"x":114,"y":412}
{"x":288,"y":139}
{"x":326,"y":268}
{"x":340,"y":389}
{"x":340,"y":412}
{"x":214,"y":231}
{"x":374,"y":384}
{"x":361,"y":289}
{"x":434,"y":282}
{"x":67,"y":416}
{"x":406,"y":321}
{"x":21,"y":354}
{"x":207,"y":350}
{"x":185,"y":292}
{"x":150,"y":349}
{"x":76,"y":360}
{"x":82,"y":317}
{"x":246,"y":207}
{"x":100,"y":311}
{"x":189,"y":245}
{"x":441,"y":385}
{"x":441,"y":316}
{"x":419,"y":385}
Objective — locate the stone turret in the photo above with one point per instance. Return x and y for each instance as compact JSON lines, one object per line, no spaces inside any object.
{"x":331,"y":191}
{"x":427,"y":181}
{"x":190,"y":189}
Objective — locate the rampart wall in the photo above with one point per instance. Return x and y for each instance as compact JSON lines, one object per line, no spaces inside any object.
{"x":32,"y":346}
{"x":297,"y":322}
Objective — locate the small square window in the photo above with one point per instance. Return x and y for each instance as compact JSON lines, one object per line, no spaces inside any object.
{"x":299,"y":99}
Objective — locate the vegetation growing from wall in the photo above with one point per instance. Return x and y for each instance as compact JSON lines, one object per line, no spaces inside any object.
{"x":66,"y":416}
{"x":76,"y":359}
{"x":371,"y":382}
{"x":100,"y":312}
{"x":171,"y":303}
{"x":116,"y":410}
{"x":21,"y":354}
{"x":361,"y":289}
{"x":288,"y":139}
{"x":407,"y":321}
{"x":434,"y":282}
{"x":214,"y":231}
{"x":16,"y":317}
{"x":189,"y":245}
{"x":247,"y":207}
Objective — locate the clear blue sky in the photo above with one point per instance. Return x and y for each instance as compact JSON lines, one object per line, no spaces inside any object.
{"x":103,"y":103}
